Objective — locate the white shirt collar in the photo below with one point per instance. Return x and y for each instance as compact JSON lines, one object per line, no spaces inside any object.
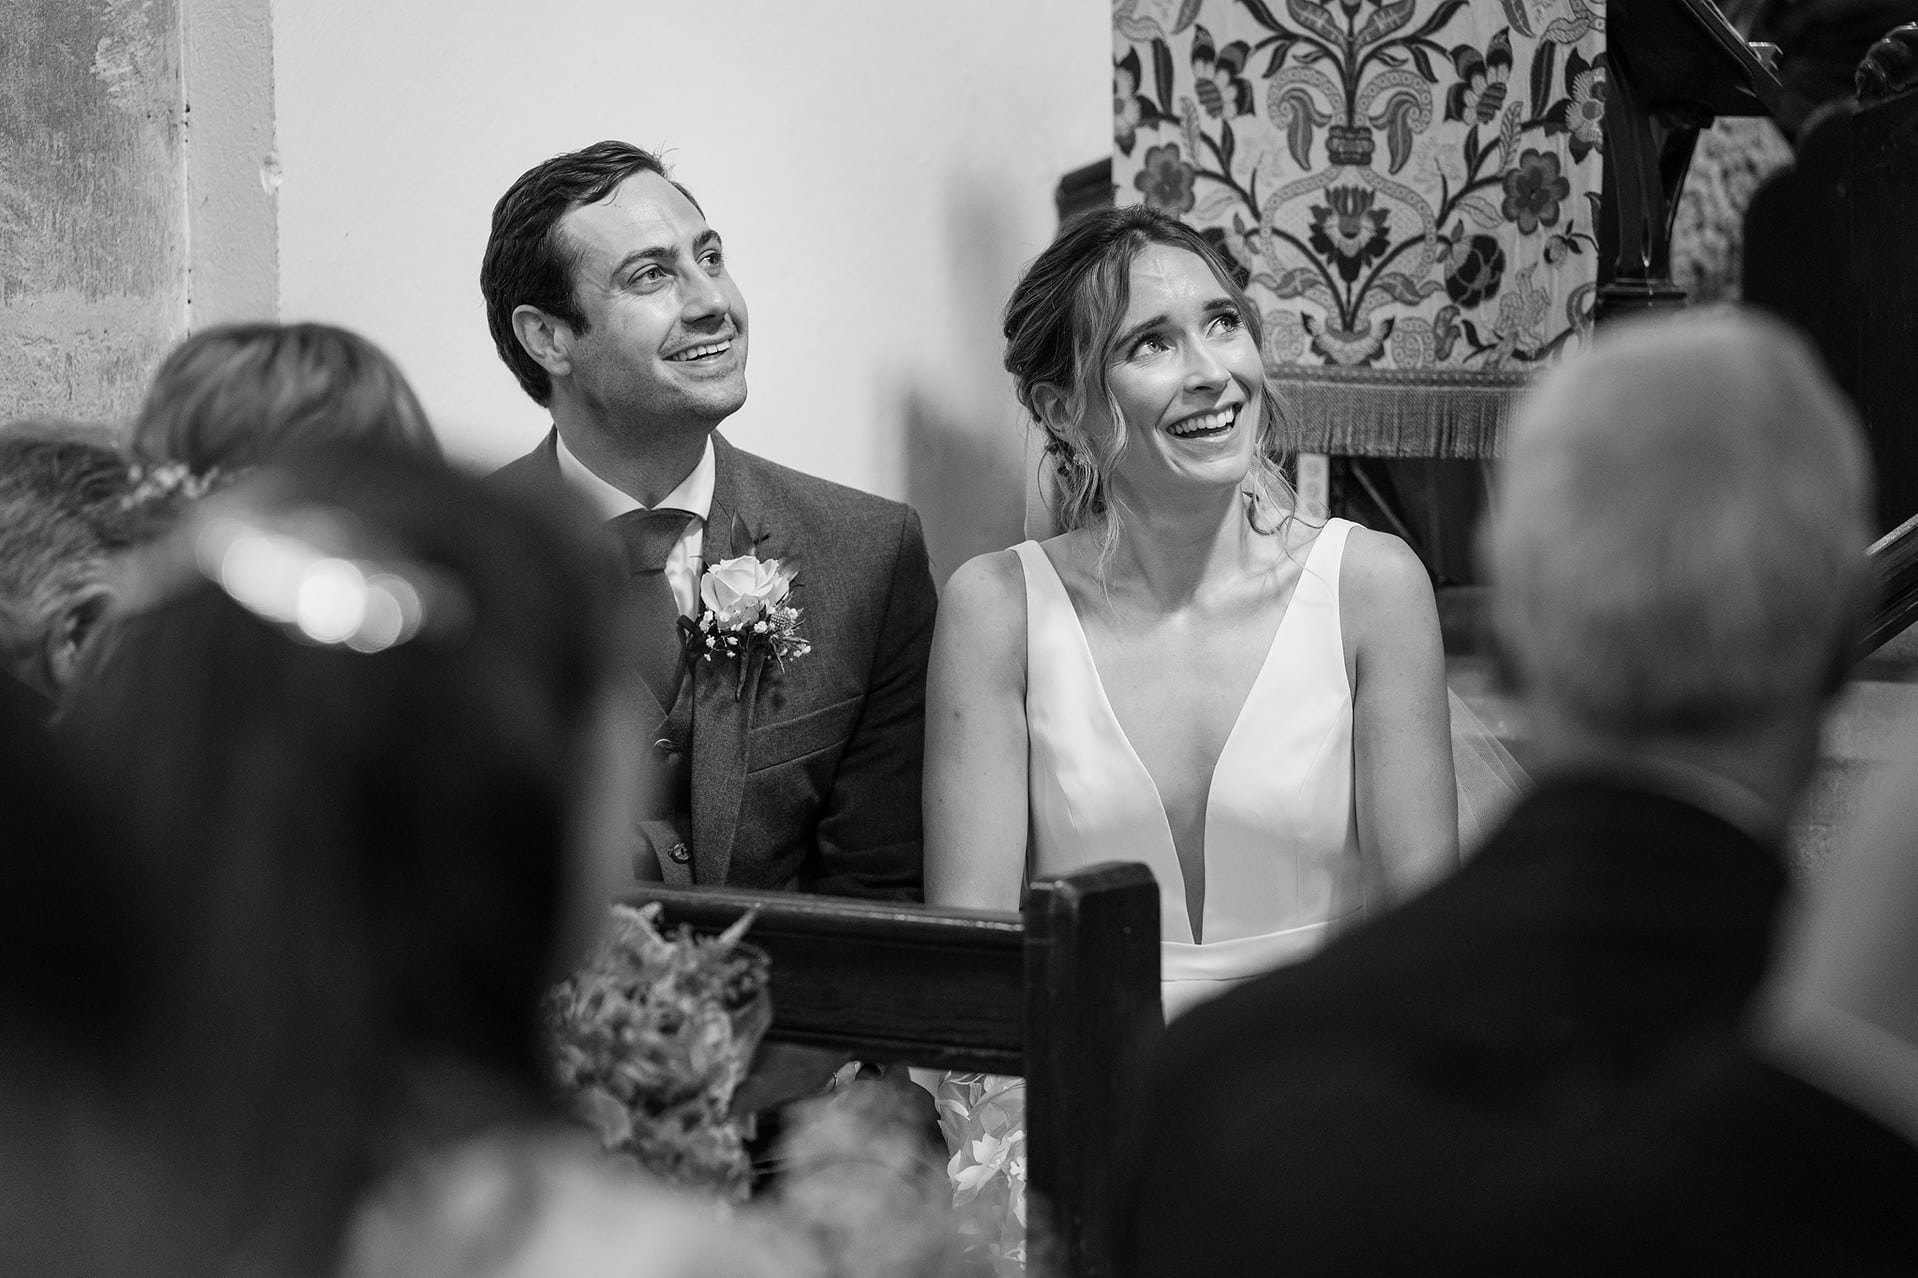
{"x":694,"y":493}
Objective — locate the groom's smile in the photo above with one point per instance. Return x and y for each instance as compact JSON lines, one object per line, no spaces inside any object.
{"x":663,"y":343}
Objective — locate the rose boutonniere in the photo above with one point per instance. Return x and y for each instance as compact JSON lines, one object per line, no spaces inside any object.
{"x":746,"y":615}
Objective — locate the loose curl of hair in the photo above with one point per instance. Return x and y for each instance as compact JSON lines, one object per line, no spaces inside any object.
{"x":527,"y":262}
{"x":1059,"y":326}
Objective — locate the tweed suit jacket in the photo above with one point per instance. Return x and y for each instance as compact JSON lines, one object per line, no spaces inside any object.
{"x":810,"y":782}
{"x":1349,"y":1113}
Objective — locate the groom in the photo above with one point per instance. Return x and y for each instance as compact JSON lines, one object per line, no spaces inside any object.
{"x":609,"y":298}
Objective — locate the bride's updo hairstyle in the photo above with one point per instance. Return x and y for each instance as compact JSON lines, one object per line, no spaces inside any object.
{"x":1060,"y":323}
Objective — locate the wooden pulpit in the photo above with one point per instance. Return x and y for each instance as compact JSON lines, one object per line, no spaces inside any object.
{"x":1672,"y":67}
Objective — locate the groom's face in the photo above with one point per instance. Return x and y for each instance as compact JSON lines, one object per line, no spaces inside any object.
{"x":664,"y":345}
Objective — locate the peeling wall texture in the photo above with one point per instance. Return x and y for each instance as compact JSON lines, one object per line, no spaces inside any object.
{"x":93,"y":258}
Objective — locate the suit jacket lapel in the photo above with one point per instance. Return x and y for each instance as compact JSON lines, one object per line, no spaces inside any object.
{"x":720,"y":720}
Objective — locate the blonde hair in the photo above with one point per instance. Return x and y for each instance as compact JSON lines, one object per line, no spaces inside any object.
{"x":1059,"y":323}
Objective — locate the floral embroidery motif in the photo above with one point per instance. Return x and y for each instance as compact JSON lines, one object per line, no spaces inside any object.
{"x":1480,"y":90}
{"x":1166,"y":180}
{"x":1476,"y":267}
{"x":1349,"y":230}
{"x":1378,"y":163}
{"x":1217,"y":79}
{"x":1129,"y":108}
{"x":1581,"y":113}
{"x":1532,"y":192}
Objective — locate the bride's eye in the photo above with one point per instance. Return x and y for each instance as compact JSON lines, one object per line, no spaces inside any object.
{"x":1228,"y":321}
{"x":1150,"y":344}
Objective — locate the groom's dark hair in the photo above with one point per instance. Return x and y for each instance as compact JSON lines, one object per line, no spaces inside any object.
{"x":527,"y":265}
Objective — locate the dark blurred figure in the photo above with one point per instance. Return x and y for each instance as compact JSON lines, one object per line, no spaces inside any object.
{"x":1797,"y":1156}
{"x":356,"y":709}
{"x":86,"y":1188}
{"x":64,"y":514}
{"x":236,"y":395}
{"x":1820,"y":45}
{"x":1678,"y":554}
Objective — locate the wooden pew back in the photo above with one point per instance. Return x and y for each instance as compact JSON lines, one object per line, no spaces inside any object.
{"x":1065,"y":993}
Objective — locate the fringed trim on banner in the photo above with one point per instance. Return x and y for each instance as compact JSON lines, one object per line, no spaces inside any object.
{"x":1389,"y":413}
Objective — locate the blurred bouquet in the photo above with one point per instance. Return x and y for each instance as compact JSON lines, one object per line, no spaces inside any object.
{"x":651,"y":1038}
{"x":865,"y":1193}
{"x":983,"y":1118}
{"x":862,"y":1192}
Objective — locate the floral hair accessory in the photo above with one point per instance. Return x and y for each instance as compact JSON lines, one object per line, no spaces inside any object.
{"x":168,"y":483}
{"x":310,"y":570}
{"x":745,"y":617}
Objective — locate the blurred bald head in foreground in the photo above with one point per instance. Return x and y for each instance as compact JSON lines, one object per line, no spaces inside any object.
{"x":1679,"y":550}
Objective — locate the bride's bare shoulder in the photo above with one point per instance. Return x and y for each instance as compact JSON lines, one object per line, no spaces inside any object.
{"x":986,"y":598}
{"x":986,"y":594}
{"x":1382,"y":580}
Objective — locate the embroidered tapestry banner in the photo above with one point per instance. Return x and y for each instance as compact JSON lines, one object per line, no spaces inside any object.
{"x":1411,"y":187}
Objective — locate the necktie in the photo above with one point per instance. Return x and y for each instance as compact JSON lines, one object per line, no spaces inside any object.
{"x":649,"y":536}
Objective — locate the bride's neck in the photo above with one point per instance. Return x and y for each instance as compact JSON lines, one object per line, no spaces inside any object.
{"x":1175,"y":554}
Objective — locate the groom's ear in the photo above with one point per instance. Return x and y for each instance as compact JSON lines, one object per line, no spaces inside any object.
{"x":549,"y":341}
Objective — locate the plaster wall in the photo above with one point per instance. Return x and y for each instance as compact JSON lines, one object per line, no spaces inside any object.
{"x":93,"y":247}
{"x":880,"y":172}
{"x":232,"y":173}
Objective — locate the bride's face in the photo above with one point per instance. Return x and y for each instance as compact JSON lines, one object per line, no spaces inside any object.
{"x":1186,"y":375}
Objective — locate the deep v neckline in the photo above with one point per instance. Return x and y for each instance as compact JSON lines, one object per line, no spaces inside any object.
{"x":1194,"y":927}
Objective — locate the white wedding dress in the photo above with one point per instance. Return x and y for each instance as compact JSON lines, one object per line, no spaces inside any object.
{"x":1282,"y":868}
{"x":1281,"y":835}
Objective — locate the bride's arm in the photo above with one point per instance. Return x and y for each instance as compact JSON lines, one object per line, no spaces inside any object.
{"x":1401,"y":724}
{"x":975,"y":786}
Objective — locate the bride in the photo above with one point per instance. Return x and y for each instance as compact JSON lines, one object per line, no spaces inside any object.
{"x":1193,"y":674}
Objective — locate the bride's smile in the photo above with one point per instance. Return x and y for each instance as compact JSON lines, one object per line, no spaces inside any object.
{"x":1185,"y":375}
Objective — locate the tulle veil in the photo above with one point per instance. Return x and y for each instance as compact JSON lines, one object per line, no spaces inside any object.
{"x":1489,"y":780}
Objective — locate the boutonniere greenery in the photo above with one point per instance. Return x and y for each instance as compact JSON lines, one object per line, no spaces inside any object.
{"x":746,"y":616}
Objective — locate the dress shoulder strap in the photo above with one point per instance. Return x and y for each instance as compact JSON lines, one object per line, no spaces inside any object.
{"x":1044,"y":591}
{"x":1323,"y":560}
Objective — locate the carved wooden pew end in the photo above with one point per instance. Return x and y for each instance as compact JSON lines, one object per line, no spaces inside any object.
{"x":1065,"y":993}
